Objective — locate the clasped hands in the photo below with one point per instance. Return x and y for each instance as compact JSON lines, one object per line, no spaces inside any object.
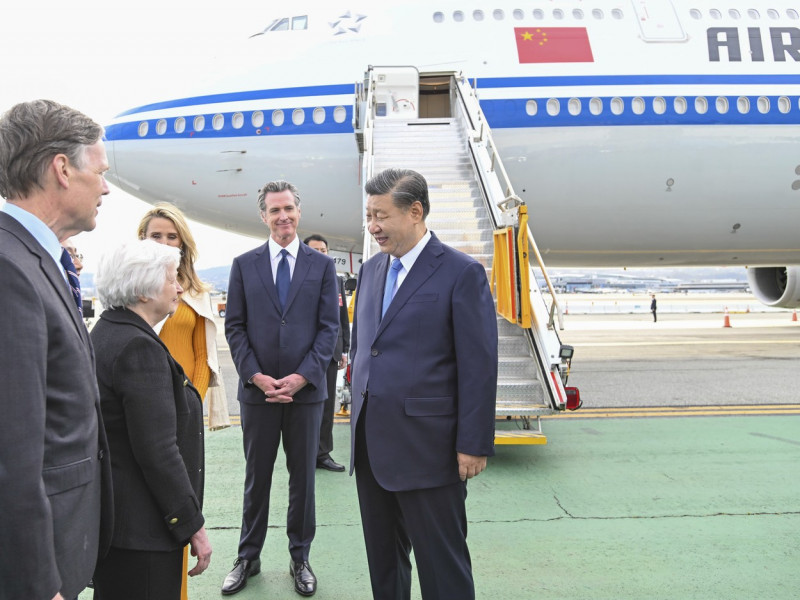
{"x":280,"y":391}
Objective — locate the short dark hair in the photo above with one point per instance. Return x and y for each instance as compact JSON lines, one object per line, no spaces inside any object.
{"x":405,"y":186}
{"x":274,"y":187}
{"x":31,"y":134}
{"x":315,"y":237}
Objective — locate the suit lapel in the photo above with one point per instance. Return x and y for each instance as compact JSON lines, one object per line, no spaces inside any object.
{"x":264,"y":268}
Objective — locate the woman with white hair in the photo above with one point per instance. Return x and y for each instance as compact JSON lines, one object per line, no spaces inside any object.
{"x":154,"y":423}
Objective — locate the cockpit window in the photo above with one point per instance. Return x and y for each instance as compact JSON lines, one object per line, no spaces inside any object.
{"x":300,"y":22}
{"x":285,"y":24}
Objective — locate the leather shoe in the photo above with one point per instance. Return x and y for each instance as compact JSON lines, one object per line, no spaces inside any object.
{"x":330,"y":464}
{"x":237,"y":578}
{"x":305,"y":583}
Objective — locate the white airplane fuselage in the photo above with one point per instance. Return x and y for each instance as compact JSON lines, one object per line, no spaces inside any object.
{"x":674,"y":141}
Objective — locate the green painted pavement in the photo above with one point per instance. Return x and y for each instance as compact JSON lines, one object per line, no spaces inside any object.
{"x":679,"y":508}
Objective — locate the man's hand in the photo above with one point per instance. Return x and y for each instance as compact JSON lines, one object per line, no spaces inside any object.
{"x":58,"y":597}
{"x":343,"y":362}
{"x":269,"y":386}
{"x":288,"y":387}
{"x":201,"y":548}
{"x":469,"y":466}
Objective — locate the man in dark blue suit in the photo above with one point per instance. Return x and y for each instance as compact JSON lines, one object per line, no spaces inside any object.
{"x":424,"y":360}
{"x":281,"y":325}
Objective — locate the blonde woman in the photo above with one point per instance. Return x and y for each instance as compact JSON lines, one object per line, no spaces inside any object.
{"x":190,"y":333}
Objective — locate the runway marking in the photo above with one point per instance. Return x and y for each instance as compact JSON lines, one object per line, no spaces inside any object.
{"x":644,"y":411}
{"x":773,"y":437}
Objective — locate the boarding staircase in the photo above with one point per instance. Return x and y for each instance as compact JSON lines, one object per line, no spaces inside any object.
{"x":469,"y":203}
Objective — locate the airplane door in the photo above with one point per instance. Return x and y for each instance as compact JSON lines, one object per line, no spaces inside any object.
{"x":658,"y":21}
{"x":396,"y":92}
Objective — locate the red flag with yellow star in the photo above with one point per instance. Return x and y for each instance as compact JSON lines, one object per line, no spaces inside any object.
{"x":553,"y":44}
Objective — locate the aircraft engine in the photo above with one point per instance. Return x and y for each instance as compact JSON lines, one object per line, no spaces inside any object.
{"x":776,"y":286}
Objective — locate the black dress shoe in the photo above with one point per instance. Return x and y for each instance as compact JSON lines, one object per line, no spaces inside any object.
{"x":330,"y":464}
{"x":305,"y":583}
{"x":237,"y":578}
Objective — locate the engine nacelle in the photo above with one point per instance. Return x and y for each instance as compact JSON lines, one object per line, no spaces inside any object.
{"x":775,"y":286}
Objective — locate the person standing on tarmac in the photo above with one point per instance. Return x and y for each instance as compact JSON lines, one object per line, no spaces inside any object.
{"x":653,"y":305}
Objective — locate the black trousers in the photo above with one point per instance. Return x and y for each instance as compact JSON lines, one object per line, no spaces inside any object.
{"x":139,"y":575}
{"x":326,"y":429}
{"x":431,"y":521}
{"x":263,"y":427}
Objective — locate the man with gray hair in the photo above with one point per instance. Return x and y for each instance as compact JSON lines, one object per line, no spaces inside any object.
{"x":54,"y":469}
{"x":281,"y":324}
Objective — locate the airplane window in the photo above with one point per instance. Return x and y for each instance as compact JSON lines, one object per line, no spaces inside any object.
{"x":577,"y":14}
{"x":298,"y":116}
{"x":595,"y":106}
{"x":143,"y":127}
{"x":438,"y":17}
{"x":199,"y":123}
{"x":531,"y":108}
{"x":700,"y":105}
{"x":695,"y":14}
{"x":574,"y":107}
{"x":477,"y":15}
{"x":784,"y":104}
{"x":498,"y":14}
{"x":282,"y":25}
{"x":553,"y":107}
{"x":339,"y":114}
{"x":558,"y":14}
{"x":538,"y":14}
{"x":318,"y":115}
{"x":792,"y":14}
{"x":659,"y":105}
{"x":763,"y":105}
{"x":180,"y":125}
{"x":277,"y":117}
{"x":518,"y":14}
{"x":637,"y":105}
{"x":743,"y":105}
{"x":299,"y":23}
{"x":617,"y":106}
{"x":679,"y":104}
{"x":753,"y":14}
{"x":161,"y":127}
{"x":617,"y":14}
{"x":458,"y":16}
{"x":722,"y":105}
{"x":773,"y":14}
{"x":597,"y":13}
{"x":734,"y":14}
{"x":257,"y":118}
{"x":218,"y":122}
{"x":237,"y":120}
{"x":715,"y":14}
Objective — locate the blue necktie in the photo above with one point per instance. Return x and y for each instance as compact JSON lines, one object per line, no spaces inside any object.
{"x":391,"y":279}
{"x":72,"y":278}
{"x":282,"y":278}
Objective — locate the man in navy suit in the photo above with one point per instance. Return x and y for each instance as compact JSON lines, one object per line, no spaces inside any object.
{"x":281,"y":325}
{"x":424,"y":360}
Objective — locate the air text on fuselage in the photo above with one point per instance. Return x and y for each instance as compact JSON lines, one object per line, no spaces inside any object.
{"x":784,"y":43}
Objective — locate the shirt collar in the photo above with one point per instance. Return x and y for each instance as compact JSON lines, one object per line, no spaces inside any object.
{"x":409,"y":258}
{"x":41,"y":232}
{"x":275,"y":248}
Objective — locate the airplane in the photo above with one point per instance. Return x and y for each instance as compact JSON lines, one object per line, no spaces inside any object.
{"x":639,"y":133}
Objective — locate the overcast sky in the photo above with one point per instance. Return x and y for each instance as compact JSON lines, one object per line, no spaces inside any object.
{"x":104,"y":57}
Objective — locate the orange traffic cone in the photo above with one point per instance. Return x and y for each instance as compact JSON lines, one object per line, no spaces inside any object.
{"x":566,"y":308}
{"x":794,"y":315}
{"x":727,"y":321}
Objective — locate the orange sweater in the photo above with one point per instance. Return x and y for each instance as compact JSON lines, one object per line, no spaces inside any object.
{"x":184,"y":334}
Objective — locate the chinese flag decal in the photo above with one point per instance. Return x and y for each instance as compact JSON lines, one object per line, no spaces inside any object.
{"x":553,"y":44}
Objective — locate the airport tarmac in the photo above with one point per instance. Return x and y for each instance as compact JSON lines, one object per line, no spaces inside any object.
{"x":677,"y":480}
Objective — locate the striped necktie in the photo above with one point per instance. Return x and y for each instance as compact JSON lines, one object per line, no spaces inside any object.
{"x":72,"y":278}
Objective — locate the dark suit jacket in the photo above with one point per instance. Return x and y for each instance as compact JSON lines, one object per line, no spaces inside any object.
{"x":343,"y":339}
{"x":154,"y":420}
{"x":301,"y":339}
{"x":52,"y":491}
{"x":430,"y":367}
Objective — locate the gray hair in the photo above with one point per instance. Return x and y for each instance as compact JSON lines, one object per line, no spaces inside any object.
{"x":31,"y":134}
{"x":274,"y":187}
{"x":405,"y":186}
{"x":134,"y":270}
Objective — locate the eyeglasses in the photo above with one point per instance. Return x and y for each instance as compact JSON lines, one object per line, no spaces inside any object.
{"x":76,"y":256}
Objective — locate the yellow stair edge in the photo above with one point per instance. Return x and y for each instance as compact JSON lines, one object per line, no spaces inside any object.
{"x":519,"y":438}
